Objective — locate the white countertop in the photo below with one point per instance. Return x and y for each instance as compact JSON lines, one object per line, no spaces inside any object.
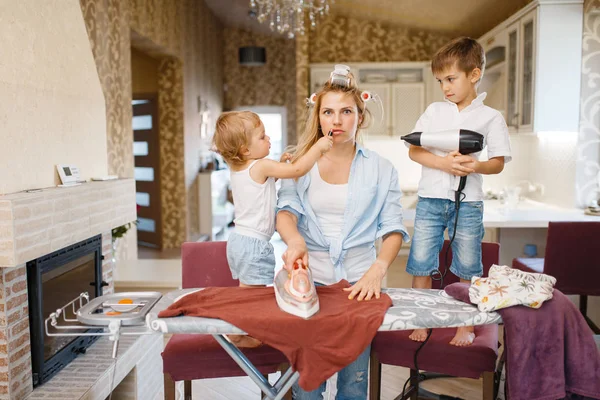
{"x":527,"y":214}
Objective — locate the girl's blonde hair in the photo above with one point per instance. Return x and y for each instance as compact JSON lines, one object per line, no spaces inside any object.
{"x":312,"y":130}
{"x":232,"y":134}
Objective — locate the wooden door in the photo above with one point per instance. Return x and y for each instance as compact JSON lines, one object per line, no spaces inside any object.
{"x":146,"y":152}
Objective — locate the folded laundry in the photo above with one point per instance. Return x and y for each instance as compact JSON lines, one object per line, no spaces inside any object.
{"x":506,"y":287}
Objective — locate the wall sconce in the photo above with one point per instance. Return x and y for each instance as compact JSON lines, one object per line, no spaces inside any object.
{"x":204,"y":114}
{"x":252,"y":56}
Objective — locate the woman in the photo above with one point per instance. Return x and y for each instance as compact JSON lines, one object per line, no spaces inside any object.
{"x":331,"y":217}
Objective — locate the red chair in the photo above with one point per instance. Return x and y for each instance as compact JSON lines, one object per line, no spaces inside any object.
{"x":573,"y":258}
{"x":190,"y":357}
{"x":438,"y":355}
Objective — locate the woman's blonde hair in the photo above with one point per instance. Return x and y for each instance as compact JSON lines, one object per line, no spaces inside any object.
{"x":312,"y":130}
{"x":232,"y":134}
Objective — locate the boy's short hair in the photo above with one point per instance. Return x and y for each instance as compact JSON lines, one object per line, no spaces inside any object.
{"x":232,"y":133}
{"x":467,"y":53}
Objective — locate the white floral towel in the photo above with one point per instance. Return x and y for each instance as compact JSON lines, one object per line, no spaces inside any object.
{"x":507,"y":287}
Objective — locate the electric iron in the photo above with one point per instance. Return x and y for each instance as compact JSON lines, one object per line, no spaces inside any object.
{"x":295,"y":291}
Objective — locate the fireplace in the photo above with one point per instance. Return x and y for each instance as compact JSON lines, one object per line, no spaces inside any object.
{"x":52,"y":281}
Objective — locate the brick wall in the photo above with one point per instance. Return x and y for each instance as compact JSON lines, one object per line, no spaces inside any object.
{"x":15,"y":351}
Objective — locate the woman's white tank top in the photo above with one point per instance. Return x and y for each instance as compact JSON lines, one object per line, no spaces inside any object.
{"x":328,"y":202}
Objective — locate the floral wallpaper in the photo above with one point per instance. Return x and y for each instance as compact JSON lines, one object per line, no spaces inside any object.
{"x":354,"y":40}
{"x":190,"y":68}
{"x":172,"y":172}
{"x":587,"y":183}
{"x":302,"y":82}
{"x":272,"y":84}
{"x":158,"y":21}
{"x":107,"y":23}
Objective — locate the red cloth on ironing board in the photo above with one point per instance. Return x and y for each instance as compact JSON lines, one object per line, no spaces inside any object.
{"x":317,"y":347}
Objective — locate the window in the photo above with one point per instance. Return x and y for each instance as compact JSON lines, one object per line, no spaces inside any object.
{"x":275,"y":122}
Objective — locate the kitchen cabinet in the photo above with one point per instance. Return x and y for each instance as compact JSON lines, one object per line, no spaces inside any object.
{"x":401,"y":106}
{"x":402,"y":91}
{"x":520,"y":73}
{"x":533,"y":72}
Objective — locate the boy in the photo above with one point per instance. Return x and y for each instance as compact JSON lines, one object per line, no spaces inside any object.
{"x":458,"y":67}
{"x":240,"y":138}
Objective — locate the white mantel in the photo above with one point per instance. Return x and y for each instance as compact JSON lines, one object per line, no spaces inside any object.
{"x":35,"y":224}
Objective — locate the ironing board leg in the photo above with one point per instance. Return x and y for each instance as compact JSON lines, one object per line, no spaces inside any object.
{"x":286,"y":384}
{"x":275,"y":392}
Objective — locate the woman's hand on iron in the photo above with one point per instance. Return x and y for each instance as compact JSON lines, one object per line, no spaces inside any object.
{"x":296,"y":250}
{"x":369,"y":285}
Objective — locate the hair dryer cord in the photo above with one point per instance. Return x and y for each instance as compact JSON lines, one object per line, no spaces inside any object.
{"x":438,"y":275}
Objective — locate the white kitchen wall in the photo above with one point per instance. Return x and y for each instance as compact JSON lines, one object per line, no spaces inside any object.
{"x":548,"y":159}
{"x":553,"y":165}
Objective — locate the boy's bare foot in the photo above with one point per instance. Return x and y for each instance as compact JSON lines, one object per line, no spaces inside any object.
{"x":418,"y":335}
{"x":464,"y":336}
{"x":244,"y":341}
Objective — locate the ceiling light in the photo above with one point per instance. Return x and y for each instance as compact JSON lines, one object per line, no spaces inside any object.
{"x":288,"y":16}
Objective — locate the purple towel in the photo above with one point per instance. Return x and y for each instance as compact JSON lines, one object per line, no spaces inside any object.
{"x":550,"y":351}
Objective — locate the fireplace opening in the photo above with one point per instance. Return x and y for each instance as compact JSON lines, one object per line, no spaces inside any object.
{"x":53,"y":281}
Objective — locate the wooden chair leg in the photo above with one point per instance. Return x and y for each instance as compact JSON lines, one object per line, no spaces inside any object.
{"x":169,"y":387}
{"x":282,"y":369}
{"x":488,"y":386}
{"x":583,"y":303}
{"x":374,"y":377}
{"x":414,"y":382}
{"x":187,"y":390}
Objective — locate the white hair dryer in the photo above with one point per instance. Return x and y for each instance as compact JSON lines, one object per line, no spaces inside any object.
{"x":463,"y":140}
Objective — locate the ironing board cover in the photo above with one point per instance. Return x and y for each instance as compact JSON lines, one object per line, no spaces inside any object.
{"x":411,"y":309}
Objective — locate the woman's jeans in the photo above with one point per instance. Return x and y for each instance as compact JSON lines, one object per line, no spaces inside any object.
{"x":352,"y":381}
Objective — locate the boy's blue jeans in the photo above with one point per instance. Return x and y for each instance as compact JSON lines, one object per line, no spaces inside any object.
{"x":432,"y":218}
{"x":352,"y":381}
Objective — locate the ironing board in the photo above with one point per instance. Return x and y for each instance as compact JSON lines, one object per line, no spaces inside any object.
{"x":411,"y":309}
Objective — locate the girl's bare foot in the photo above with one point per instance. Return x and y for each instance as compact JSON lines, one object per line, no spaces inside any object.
{"x":244,"y":341}
{"x":418,"y":335}
{"x":464,"y":336}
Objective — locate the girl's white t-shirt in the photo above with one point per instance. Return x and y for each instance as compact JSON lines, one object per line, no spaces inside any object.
{"x":254,"y":204}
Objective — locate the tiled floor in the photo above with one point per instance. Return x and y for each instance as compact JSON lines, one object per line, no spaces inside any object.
{"x":162,"y":271}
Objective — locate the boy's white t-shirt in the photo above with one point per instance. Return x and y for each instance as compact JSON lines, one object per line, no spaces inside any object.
{"x":477,"y":117}
{"x":254,"y":204}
